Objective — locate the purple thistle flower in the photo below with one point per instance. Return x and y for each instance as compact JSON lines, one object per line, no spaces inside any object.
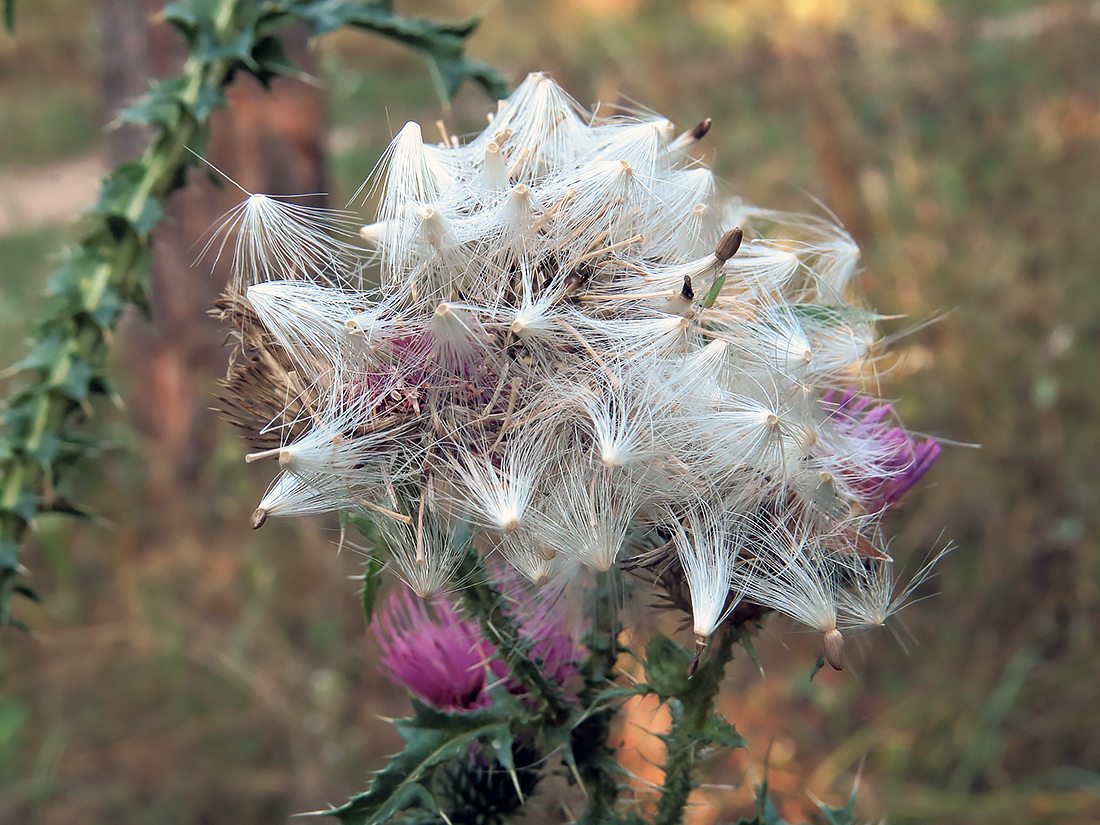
{"x":439,"y":656}
{"x":900,"y":460}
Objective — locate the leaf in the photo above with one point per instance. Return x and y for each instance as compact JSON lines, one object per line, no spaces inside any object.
{"x":27,"y":593}
{"x":431,"y":738}
{"x":9,"y":562}
{"x":766,"y":814}
{"x":43,"y":356}
{"x":619,"y":692}
{"x":45,"y":451}
{"x":367,"y":530}
{"x":745,"y":638}
{"x":9,"y":15}
{"x":268,"y":60}
{"x":441,"y":44}
{"x":238,"y":49}
{"x":116,"y":199}
{"x":715,"y":289}
{"x":160,"y":106}
{"x":207,"y":100}
{"x":717,"y":731}
{"x":25,"y":507}
{"x":75,"y":380}
{"x":182,"y":17}
{"x":667,"y":667}
{"x":372,"y":578}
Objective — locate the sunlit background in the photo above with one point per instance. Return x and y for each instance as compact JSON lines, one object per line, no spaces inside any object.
{"x":185,"y":669}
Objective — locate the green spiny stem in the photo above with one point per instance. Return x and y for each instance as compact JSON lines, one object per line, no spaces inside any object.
{"x":484,"y":601}
{"x":595,"y":758}
{"x":690,"y":712}
{"x":45,"y":406}
{"x":50,"y":408}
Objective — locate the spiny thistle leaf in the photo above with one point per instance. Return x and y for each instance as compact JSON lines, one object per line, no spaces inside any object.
{"x":431,"y":738}
{"x":766,"y":814}
{"x":717,"y":731}
{"x":372,"y":579}
{"x":441,"y":44}
{"x":667,"y":667}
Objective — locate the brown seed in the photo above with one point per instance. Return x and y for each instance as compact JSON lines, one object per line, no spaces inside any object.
{"x":730,"y":243}
{"x":834,"y":649}
{"x":701,"y":129}
{"x":258,"y":518}
{"x":700,"y":646}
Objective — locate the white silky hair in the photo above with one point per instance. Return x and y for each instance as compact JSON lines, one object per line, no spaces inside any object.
{"x":874,"y":595}
{"x":278,"y":239}
{"x":704,"y":538}
{"x":588,"y":513}
{"x":528,"y":552}
{"x":496,"y":491}
{"x":425,"y":549}
{"x":306,"y":319}
{"x":563,"y":351}
{"x":794,"y":573}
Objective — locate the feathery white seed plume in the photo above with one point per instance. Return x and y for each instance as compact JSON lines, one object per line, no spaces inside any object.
{"x":571,"y":343}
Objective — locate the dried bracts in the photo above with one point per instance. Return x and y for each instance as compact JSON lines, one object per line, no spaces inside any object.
{"x":562,"y":335}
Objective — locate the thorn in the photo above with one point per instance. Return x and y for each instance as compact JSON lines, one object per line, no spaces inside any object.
{"x":515,"y":784}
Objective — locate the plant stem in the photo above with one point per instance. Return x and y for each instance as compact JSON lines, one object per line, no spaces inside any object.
{"x":484,"y":601}
{"x":690,"y":712}
{"x":594,"y":756}
{"x":48,"y":407}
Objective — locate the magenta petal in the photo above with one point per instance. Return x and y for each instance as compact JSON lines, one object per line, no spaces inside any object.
{"x":440,"y":657}
{"x":903,"y":459}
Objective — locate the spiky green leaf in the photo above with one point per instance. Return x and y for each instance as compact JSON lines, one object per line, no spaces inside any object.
{"x":667,"y":667}
{"x":431,"y":738}
{"x":372,"y":579}
{"x":841,"y":816}
{"x":717,"y":731}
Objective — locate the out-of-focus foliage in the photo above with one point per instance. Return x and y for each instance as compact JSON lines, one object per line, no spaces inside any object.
{"x":41,"y":428}
{"x":960,"y":141}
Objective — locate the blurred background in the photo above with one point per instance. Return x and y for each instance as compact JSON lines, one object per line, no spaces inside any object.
{"x":185,"y":669}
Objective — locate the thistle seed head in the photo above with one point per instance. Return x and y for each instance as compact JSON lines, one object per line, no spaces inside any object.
{"x":581,"y":350}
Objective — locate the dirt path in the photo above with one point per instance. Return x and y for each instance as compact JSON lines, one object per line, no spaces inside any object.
{"x":34,"y":196}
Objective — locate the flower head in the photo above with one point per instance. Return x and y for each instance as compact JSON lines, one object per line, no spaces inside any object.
{"x":433,"y":652}
{"x":436,"y":653}
{"x":578,"y":347}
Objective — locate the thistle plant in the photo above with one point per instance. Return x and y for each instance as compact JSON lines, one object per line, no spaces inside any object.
{"x":561,"y":346}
